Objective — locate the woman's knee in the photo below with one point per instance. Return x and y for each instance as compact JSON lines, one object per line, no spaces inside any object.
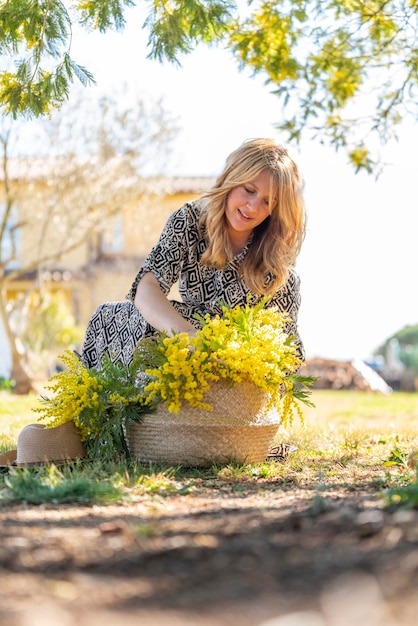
{"x":114,"y":328}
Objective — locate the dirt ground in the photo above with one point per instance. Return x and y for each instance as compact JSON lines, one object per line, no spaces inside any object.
{"x":239,"y":554}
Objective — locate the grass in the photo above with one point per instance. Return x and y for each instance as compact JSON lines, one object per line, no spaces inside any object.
{"x":350,"y":440}
{"x":15,"y":413}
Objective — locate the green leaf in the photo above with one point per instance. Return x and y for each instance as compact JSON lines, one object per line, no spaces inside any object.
{"x":103,"y":15}
{"x":177,"y":26}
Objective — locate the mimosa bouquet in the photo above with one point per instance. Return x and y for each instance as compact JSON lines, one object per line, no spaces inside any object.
{"x":243,"y":344}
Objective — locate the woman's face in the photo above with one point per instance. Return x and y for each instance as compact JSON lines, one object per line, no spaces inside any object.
{"x":247,"y":206}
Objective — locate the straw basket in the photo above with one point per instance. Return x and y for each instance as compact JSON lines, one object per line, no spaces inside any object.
{"x":239,"y":428}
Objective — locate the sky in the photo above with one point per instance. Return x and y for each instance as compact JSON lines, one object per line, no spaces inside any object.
{"x":359,"y":260}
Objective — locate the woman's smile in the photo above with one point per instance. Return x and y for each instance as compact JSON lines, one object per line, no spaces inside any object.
{"x":245,"y":217}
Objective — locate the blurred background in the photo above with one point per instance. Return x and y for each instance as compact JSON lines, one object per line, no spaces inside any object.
{"x":160,"y":134}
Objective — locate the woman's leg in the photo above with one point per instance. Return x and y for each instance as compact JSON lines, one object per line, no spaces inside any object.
{"x":115,"y":328}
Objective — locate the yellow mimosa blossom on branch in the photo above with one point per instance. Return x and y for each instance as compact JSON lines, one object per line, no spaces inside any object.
{"x":74,"y":389}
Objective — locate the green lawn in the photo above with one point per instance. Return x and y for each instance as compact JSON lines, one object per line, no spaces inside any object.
{"x":349,"y":439}
{"x":15,"y":413}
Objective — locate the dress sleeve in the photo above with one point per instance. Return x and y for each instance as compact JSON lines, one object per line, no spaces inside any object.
{"x":166,"y":257}
{"x":287,"y":300}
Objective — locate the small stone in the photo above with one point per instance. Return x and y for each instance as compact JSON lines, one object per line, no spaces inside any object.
{"x":369,"y":523}
{"x":115,"y":527}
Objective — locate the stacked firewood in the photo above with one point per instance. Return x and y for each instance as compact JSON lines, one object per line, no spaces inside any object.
{"x":333,"y":374}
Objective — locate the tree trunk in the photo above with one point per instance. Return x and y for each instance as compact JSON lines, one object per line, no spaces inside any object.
{"x":23,"y":382}
{"x":20,"y":374}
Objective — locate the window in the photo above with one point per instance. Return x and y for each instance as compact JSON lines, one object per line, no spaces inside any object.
{"x":112,"y":242}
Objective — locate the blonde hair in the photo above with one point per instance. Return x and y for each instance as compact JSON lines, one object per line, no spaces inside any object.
{"x":278,"y":239}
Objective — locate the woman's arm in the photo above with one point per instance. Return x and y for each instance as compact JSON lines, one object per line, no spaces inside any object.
{"x":157,"y":310}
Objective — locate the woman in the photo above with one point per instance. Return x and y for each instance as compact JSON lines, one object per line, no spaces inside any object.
{"x":238,"y":240}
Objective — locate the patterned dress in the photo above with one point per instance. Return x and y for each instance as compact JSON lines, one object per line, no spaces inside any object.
{"x":116,"y":327}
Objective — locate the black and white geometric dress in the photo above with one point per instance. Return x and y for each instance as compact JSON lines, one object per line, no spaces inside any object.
{"x":116,"y":327}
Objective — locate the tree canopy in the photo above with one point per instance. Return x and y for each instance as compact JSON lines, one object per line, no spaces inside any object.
{"x":322,"y":58}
